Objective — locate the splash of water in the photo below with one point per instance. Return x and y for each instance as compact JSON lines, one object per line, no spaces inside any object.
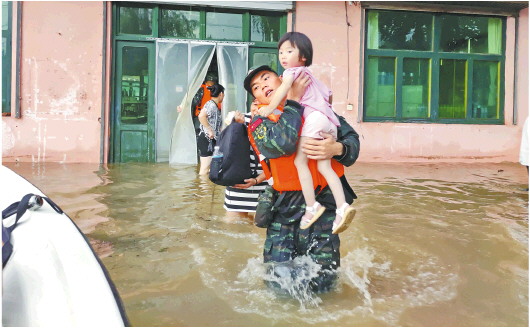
{"x":355,"y":270}
{"x":292,"y":278}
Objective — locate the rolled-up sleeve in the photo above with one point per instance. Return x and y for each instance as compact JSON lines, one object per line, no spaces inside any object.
{"x":348,"y":137}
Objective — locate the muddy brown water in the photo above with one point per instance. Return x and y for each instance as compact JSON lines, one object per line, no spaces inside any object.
{"x":432,"y":245}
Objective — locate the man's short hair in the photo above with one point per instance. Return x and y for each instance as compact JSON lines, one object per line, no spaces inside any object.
{"x":211,"y":76}
{"x":300,"y":41}
{"x":252,"y":73}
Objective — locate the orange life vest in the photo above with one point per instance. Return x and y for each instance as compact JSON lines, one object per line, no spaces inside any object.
{"x":284,"y":172}
{"x":206,"y":96}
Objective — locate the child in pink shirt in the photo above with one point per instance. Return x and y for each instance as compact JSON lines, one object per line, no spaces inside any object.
{"x":296,"y":54}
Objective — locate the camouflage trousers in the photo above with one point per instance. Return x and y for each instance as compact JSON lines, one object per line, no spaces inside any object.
{"x":286,"y":241}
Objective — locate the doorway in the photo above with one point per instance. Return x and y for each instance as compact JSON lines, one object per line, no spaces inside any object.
{"x":181,"y":68}
{"x":145,"y":126}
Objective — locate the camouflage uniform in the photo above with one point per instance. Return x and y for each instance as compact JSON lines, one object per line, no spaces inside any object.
{"x":285,"y":240}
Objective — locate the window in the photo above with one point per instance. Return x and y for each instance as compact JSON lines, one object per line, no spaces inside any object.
{"x":142,"y":22}
{"x":134,"y":85}
{"x":265,"y":28}
{"x":6,"y":57}
{"x":180,"y":23}
{"x":431,"y":67}
{"x":224,"y":26}
{"x":135,"y":20}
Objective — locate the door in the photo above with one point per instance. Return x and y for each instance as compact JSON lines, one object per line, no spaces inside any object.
{"x":133,"y":115}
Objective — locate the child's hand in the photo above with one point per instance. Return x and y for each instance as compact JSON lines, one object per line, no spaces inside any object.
{"x":265,"y":111}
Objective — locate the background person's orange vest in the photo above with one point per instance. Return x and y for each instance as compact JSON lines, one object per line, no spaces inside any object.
{"x":284,"y":172}
{"x":206,"y":96}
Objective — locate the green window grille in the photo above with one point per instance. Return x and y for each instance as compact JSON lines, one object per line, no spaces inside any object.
{"x":6,"y":57}
{"x":430,"y":67}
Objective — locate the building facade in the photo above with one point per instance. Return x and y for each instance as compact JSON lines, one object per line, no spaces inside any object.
{"x":419,"y":81}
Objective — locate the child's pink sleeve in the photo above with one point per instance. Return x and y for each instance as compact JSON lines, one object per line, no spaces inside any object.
{"x":293,"y":72}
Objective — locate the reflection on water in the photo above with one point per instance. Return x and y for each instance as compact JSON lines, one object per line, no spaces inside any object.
{"x":432,"y":245}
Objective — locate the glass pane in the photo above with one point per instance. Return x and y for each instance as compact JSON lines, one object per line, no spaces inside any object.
{"x":224,"y":26}
{"x":380,"y":87}
{"x":265,"y":28}
{"x":486,"y":90}
{"x":180,"y":23}
{"x":269,"y":59}
{"x":5,"y":15}
{"x":135,"y":20}
{"x":453,"y":89}
{"x":471,"y":34}
{"x":134,"y":85}
{"x":399,"y":30}
{"x":416,"y":88}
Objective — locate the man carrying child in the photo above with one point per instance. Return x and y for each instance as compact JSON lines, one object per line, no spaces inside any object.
{"x":277,"y":139}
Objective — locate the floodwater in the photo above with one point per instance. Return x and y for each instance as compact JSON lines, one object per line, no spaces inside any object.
{"x":432,"y":245}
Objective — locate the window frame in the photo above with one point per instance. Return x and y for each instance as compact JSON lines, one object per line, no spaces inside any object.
{"x":435,"y":55}
{"x":202,"y":19}
{"x":6,"y":74}
{"x":156,"y":16}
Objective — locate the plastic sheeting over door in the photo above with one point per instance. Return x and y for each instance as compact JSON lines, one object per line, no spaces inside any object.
{"x":171,"y":83}
{"x":232,"y":60}
{"x":181,"y":68}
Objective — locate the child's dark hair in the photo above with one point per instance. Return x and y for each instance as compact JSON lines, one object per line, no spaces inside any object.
{"x":216,"y":89}
{"x":302,"y":42}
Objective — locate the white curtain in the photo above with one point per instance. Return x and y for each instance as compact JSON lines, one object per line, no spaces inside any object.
{"x":183,"y":148}
{"x":232,"y":61}
{"x":171,"y":87}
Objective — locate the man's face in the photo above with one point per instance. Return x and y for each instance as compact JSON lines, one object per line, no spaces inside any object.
{"x":263,"y":86}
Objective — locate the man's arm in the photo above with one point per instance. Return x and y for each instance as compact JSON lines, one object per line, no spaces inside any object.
{"x":279,"y":139}
{"x":345,"y":149}
{"x":276,"y":139}
{"x":278,"y":97}
{"x":348,"y":137}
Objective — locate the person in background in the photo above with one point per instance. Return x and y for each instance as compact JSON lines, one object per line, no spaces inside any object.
{"x":210,"y":127}
{"x":202,"y":96}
